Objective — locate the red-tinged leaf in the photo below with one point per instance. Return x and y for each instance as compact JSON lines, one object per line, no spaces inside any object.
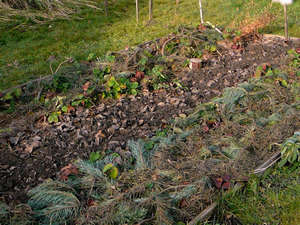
{"x":183,"y":203}
{"x":71,"y":109}
{"x":265,"y":67}
{"x":298,"y":50}
{"x":201,"y":27}
{"x":218,"y":182}
{"x":205,"y":128}
{"x":235,"y":46}
{"x":1,"y":94}
{"x":226,"y":185}
{"x":139,"y":75}
{"x":91,"y":202}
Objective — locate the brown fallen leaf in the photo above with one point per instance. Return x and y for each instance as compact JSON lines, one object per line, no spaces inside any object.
{"x":70,"y":169}
{"x":98,"y":136}
{"x":35,"y":143}
{"x":86,"y":86}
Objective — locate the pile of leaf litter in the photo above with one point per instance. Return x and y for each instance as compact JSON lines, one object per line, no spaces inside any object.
{"x":171,"y":177}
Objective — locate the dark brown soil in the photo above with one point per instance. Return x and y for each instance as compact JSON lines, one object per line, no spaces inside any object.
{"x":109,"y":125}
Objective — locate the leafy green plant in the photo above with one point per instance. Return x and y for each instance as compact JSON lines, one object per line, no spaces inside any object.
{"x":111,"y":171}
{"x":81,"y":100}
{"x":114,"y":88}
{"x":61,"y":83}
{"x":142,"y":64}
{"x":13,"y":94}
{"x":290,"y":150}
{"x":211,"y":47}
{"x":94,"y":156}
{"x":295,"y":58}
{"x":186,"y":63}
{"x":110,"y":58}
{"x":53,"y":117}
{"x":91,"y":56}
{"x":100,"y":73}
{"x":159,"y":78}
{"x":157,"y":72}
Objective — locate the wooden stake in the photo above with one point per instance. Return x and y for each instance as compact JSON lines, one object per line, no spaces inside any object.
{"x":176,"y":7}
{"x":150,"y":9}
{"x":137,"y":10}
{"x":201,"y":14}
{"x":106,"y":5}
{"x":286,"y":22}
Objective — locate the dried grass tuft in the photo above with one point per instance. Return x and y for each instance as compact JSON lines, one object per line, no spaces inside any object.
{"x":39,"y":11}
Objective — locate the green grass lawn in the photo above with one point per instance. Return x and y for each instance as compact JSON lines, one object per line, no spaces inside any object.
{"x":272,"y":199}
{"x":24,"y":51}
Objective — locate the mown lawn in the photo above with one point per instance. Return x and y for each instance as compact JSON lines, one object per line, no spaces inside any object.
{"x":24,"y":52}
{"x":271,"y":199}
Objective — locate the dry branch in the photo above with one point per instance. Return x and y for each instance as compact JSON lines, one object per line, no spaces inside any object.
{"x":164,"y":45}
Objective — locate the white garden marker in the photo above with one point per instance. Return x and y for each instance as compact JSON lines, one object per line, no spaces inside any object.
{"x":285,"y":3}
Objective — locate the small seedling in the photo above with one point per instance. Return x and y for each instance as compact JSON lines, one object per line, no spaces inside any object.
{"x":94,"y":156}
{"x":53,"y":117}
{"x":111,"y":171}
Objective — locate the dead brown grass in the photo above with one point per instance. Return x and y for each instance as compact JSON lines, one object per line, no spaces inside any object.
{"x":40,"y":11}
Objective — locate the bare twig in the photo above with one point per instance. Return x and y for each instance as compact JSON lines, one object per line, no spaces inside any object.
{"x":213,"y":26}
{"x":270,"y":162}
{"x":164,"y":45}
{"x":145,"y":220}
{"x":25,"y":84}
{"x":67,"y":60}
{"x":204,"y":214}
